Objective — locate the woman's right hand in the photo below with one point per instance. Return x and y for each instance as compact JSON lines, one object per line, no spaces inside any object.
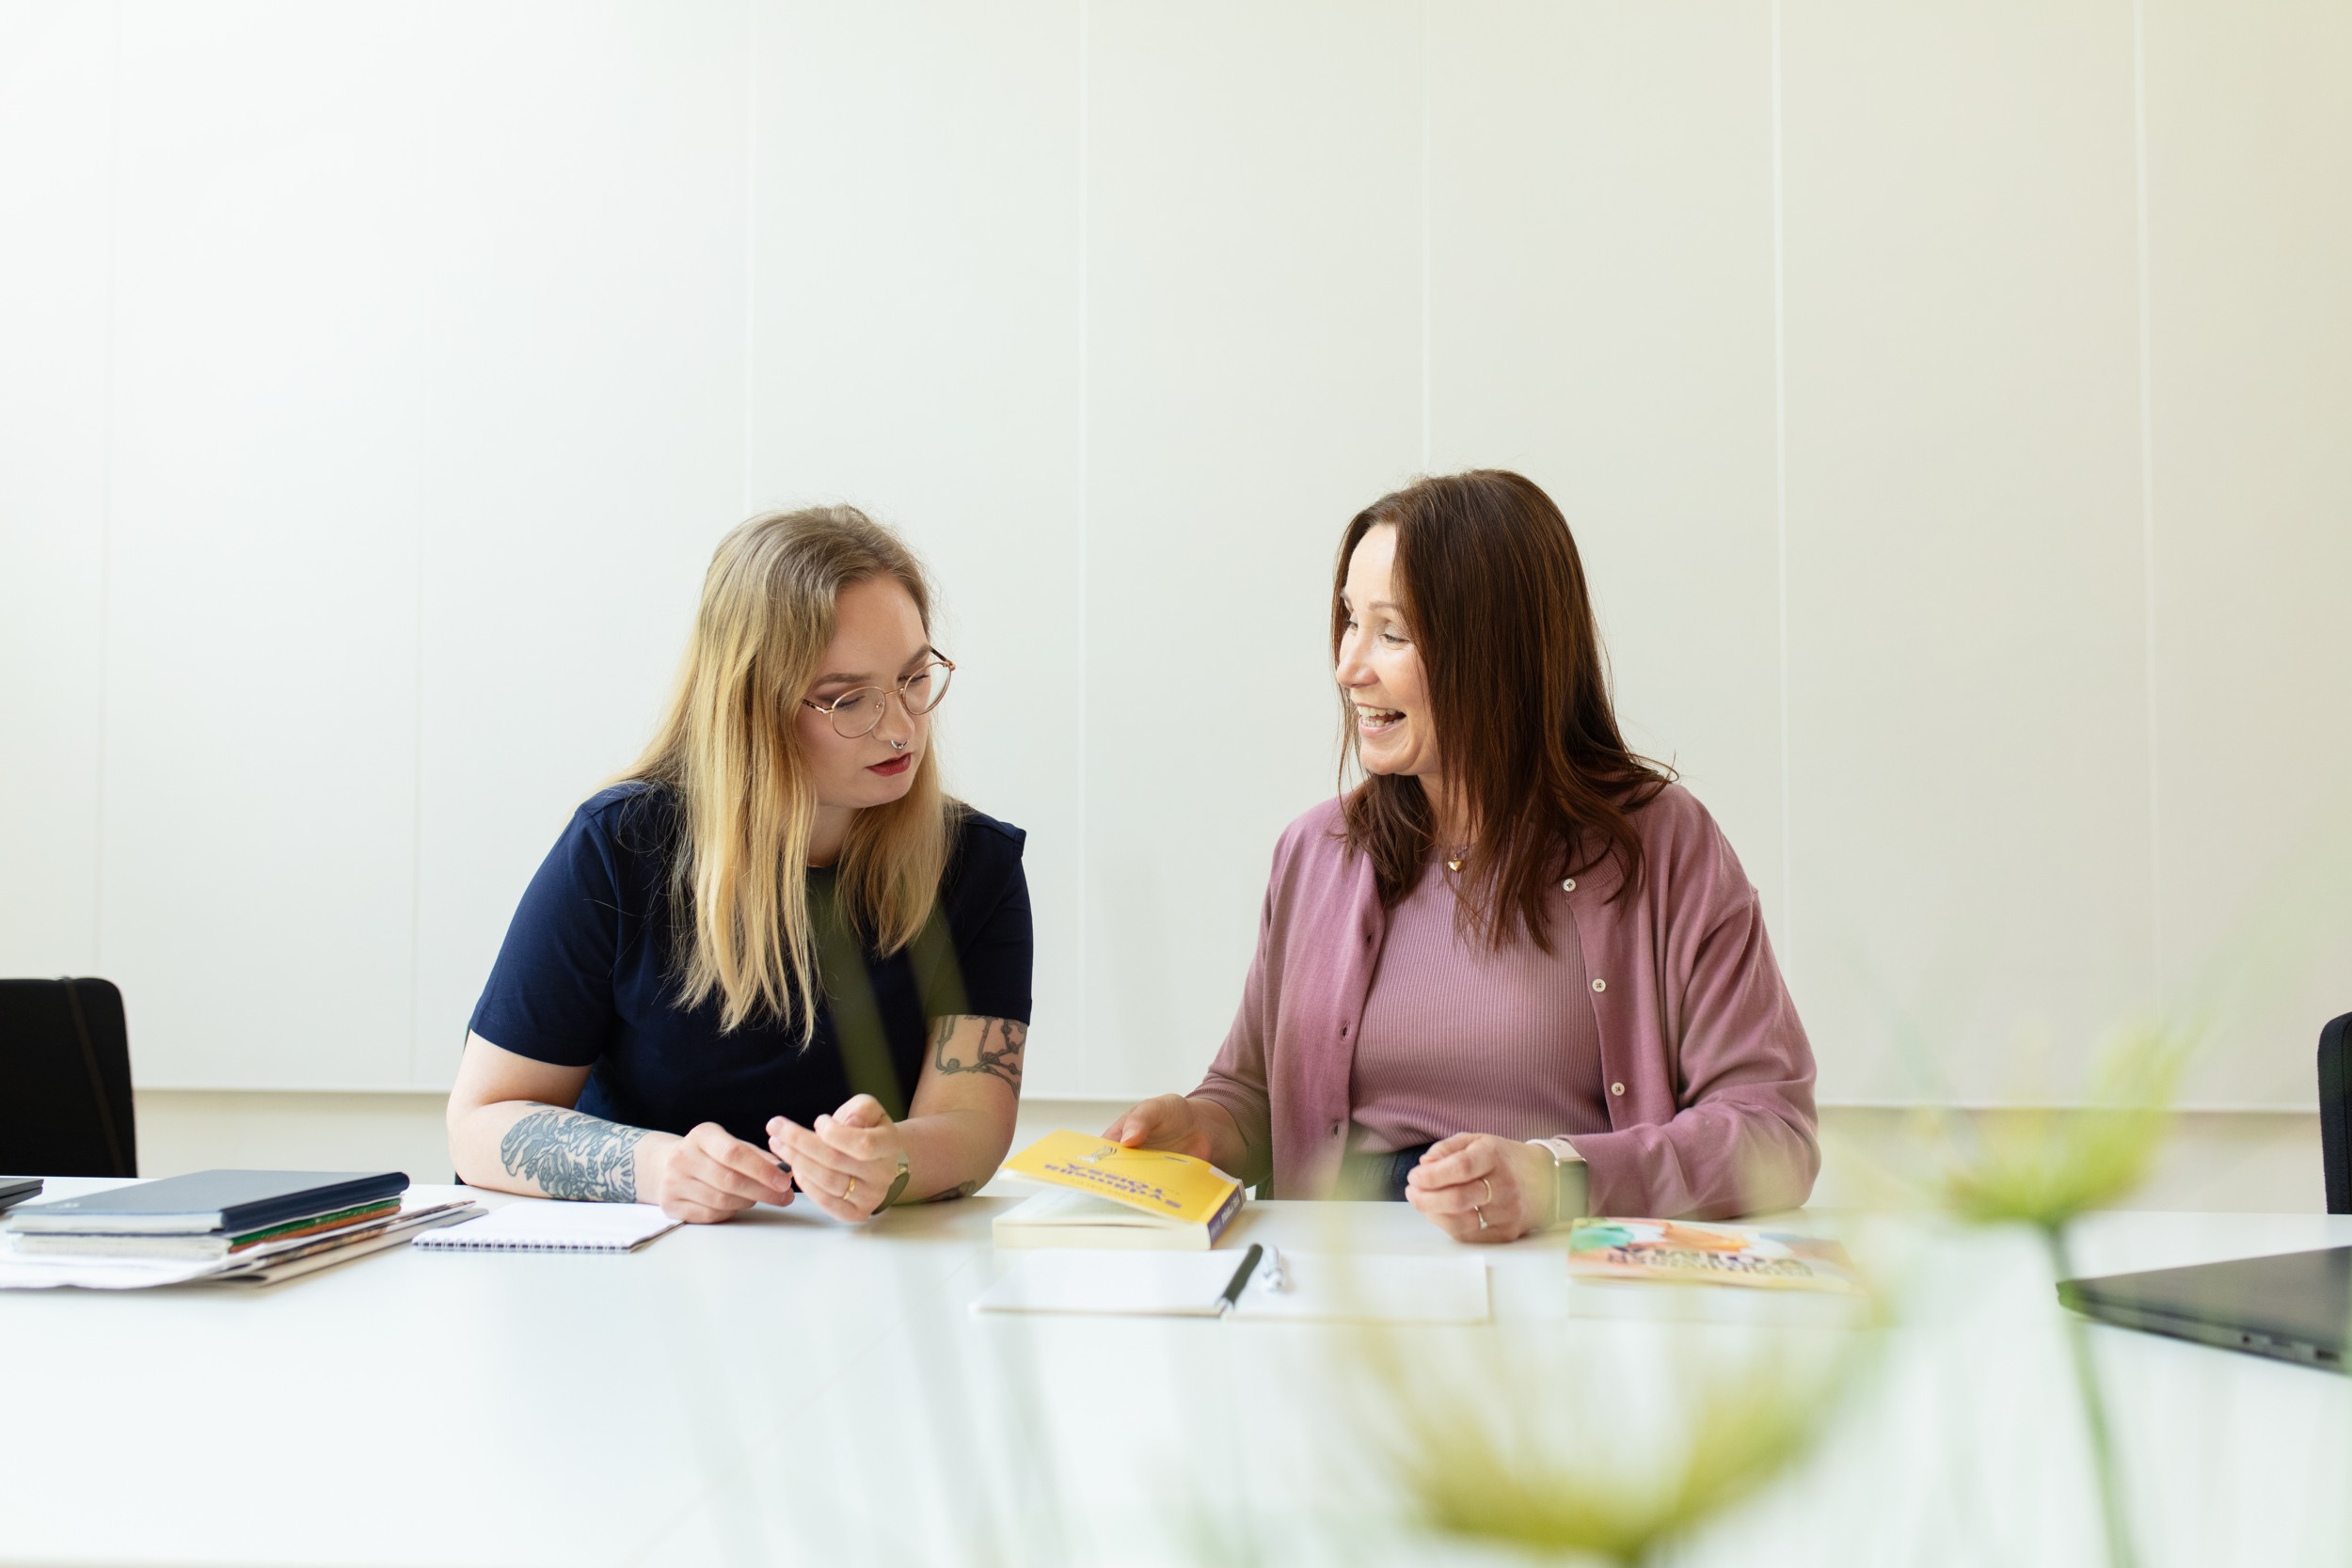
{"x":1167,"y":1121}
{"x":710,"y":1175}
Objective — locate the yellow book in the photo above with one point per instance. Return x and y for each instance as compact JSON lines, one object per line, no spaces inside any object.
{"x":1143,"y":1197}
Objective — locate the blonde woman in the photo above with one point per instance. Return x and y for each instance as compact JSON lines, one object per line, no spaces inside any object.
{"x":776,"y":955}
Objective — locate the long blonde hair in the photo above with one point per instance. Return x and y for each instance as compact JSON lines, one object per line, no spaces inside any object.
{"x":729,"y":750}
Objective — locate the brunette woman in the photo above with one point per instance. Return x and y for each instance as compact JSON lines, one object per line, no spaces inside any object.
{"x":775,"y":955}
{"x":1516,"y":973}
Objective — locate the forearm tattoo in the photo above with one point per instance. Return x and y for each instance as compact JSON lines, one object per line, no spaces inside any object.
{"x":998,"y":1051}
{"x":572,"y":1155}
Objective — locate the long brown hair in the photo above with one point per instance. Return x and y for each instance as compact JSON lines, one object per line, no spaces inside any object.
{"x":729,"y":749}
{"x":1492,"y":586}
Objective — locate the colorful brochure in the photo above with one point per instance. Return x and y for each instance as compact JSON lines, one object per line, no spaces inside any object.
{"x":1689,"y":1253}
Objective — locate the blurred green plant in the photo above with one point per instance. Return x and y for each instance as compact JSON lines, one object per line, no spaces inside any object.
{"x":2045,"y":1168}
{"x":1491,"y":1439}
{"x":1468,"y":1478}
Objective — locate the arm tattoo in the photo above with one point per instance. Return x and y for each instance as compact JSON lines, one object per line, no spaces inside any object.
{"x":571,"y":1155}
{"x":998,"y":1051}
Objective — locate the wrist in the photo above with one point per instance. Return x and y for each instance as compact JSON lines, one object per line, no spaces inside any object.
{"x":1567,"y":1179}
{"x":1536,"y":1161}
{"x":652,"y":1170}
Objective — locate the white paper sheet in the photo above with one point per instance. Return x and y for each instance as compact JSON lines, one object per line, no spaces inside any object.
{"x":546,"y":1225}
{"x":1316,"y":1287}
{"x":1329,"y":1287}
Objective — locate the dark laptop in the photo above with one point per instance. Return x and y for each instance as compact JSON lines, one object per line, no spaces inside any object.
{"x":2294,"y":1305}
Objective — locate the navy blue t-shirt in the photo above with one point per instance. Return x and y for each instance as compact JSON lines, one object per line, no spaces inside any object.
{"x":587,"y":978}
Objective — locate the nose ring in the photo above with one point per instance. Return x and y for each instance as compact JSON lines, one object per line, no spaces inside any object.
{"x":897,"y":745}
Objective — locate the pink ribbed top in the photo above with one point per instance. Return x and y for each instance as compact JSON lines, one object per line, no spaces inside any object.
{"x":1457,"y":1038}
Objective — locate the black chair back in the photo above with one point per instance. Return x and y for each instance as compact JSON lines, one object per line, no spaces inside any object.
{"x":2335,"y":1112}
{"x":65,"y":1080}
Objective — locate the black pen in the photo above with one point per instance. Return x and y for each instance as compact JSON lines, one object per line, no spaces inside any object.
{"x":1241,"y":1277}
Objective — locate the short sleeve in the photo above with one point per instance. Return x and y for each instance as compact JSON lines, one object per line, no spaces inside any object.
{"x":550,"y":993}
{"x":996,"y":945}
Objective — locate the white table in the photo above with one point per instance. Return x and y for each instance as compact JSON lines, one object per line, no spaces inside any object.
{"x":785,"y":1389}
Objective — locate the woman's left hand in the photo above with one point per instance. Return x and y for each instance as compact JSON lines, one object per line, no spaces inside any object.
{"x":1472,"y":1175}
{"x":848,"y":1162}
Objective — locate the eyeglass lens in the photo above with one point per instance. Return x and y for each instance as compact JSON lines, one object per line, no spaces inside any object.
{"x":855,"y":714}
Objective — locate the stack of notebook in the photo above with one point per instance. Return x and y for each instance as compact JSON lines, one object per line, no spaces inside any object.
{"x":258,"y":1225}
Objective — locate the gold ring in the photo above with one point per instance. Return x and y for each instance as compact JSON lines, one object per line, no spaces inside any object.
{"x":1490,"y":1191}
{"x":848,"y":1190}
{"x":1481,"y":1212}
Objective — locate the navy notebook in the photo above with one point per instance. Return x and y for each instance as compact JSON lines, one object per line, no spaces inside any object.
{"x":229,"y":1200}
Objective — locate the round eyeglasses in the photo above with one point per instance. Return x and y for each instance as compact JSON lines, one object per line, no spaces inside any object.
{"x":856,"y":712}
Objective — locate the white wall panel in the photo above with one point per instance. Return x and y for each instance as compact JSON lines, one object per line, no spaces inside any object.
{"x":584,"y":444}
{"x":1972,"y":857}
{"x":2249,"y":174}
{"x":375,"y":382}
{"x":916,"y":352}
{"x":56,"y":112}
{"x":1253,"y":186}
{"x":262,"y":701}
{"x":1600,"y":254}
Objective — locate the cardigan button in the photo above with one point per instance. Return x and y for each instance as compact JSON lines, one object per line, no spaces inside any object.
{"x":1600,"y":985}
{"x":1568,"y":886}
{"x":1616,"y":1088}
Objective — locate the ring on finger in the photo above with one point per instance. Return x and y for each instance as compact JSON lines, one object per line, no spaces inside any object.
{"x":1480,"y":1210}
{"x":1489,"y":1185}
{"x":850,"y":1191}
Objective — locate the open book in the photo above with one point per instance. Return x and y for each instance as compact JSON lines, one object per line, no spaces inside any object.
{"x":1103,"y":1195}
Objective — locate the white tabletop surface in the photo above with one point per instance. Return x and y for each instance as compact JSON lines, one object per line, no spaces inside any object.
{"x":786,"y":1389}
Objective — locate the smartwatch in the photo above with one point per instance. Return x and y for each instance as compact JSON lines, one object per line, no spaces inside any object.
{"x":1571,"y":1180}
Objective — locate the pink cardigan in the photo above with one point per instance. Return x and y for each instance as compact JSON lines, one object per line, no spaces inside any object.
{"x":1711,"y":1077}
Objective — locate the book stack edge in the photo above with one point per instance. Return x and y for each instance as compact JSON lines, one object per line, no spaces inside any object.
{"x":256,"y":1227}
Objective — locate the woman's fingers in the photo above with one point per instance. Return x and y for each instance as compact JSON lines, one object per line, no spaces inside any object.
{"x":1461,"y":1226}
{"x":685,"y":1198}
{"x":718,"y":1159}
{"x":808,"y":1153}
{"x":1466,"y":1179}
{"x":1164,"y":1121}
{"x":826,"y":1172}
{"x":1458,"y":1199}
{"x":1471,"y":1157}
{"x":1132,"y":1128}
{"x":724,"y":1148}
{"x":858,"y":1141}
{"x":862,"y":1109}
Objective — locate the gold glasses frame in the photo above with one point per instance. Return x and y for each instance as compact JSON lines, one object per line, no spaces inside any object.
{"x":832,"y":710}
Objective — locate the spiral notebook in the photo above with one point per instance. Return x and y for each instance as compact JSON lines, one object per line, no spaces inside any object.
{"x":545,"y":1225}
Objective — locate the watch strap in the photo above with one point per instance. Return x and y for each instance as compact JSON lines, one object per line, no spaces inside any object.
{"x":1571,"y":1180}
{"x":899,"y":1186}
